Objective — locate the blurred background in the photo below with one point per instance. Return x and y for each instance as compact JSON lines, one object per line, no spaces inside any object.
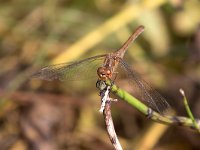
{"x":41,"y":115}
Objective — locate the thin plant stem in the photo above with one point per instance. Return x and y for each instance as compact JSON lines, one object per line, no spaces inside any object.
{"x":106,"y":110}
{"x":110,"y":126}
{"x":153,"y":115}
{"x":188,"y":110}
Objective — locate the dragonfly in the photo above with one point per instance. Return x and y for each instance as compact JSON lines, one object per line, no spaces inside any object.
{"x":106,"y":70}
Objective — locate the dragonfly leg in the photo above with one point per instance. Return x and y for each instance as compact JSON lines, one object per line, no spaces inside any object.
{"x":113,"y":99}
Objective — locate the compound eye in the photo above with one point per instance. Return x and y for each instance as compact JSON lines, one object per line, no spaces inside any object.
{"x":101,"y":72}
{"x":104,"y":73}
{"x":109,"y":73}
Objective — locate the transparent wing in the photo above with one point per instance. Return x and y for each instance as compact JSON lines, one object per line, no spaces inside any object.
{"x":80,"y":70}
{"x":149,"y":95}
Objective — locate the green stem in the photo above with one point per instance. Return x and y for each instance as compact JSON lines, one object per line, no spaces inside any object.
{"x":165,"y":119}
{"x":188,"y":110}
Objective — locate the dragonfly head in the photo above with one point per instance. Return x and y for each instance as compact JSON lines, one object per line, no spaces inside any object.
{"x":104,"y":73}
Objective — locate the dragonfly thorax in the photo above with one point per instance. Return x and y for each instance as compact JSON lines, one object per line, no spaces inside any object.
{"x":104,"y":73}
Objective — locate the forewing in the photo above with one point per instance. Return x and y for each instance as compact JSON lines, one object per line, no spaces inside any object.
{"x":80,"y":70}
{"x":148,"y":94}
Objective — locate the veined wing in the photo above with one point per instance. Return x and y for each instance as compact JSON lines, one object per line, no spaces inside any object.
{"x":80,"y":70}
{"x":149,"y":95}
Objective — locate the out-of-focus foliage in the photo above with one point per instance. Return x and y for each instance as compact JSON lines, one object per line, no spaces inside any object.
{"x":64,"y":115}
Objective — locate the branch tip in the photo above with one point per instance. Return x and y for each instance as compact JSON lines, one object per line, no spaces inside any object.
{"x":182,"y":92}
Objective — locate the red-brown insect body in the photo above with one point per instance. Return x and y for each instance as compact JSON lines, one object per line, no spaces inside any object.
{"x":110,"y":63}
{"x":104,"y":73}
